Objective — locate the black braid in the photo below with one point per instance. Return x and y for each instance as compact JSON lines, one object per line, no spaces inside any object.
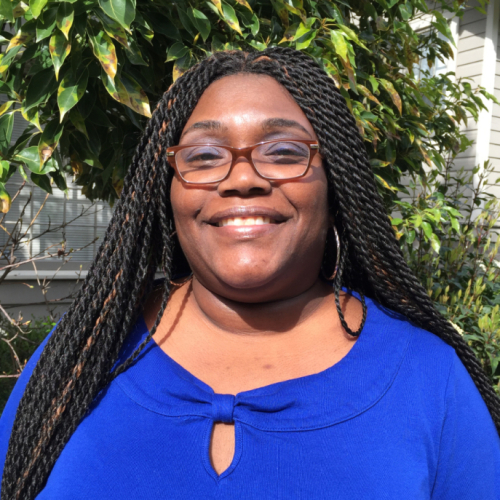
{"x":78,"y":361}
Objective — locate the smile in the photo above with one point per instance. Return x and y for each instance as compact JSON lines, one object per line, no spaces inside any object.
{"x":245,"y":221}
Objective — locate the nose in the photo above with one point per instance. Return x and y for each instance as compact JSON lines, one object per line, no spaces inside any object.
{"x":243,"y":180}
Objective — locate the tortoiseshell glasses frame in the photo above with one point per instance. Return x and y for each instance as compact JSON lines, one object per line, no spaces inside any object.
{"x":176,"y":154}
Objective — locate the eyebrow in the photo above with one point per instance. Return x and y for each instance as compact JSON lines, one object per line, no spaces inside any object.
{"x":212,"y":125}
{"x":273,"y":123}
{"x":268,"y":125}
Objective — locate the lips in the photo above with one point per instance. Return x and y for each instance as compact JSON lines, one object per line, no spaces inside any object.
{"x":247,"y":216}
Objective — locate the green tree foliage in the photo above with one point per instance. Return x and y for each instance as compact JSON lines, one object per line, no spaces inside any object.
{"x":448,"y":232}
{"x":85,"y":74}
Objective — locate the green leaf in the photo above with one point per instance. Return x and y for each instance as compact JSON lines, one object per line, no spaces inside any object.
{"x":7,"y":58}
{"x":352,"y":36}
{"x":6,"y":126}
{"x":257,"y":45}
{"x":6,"y":10}
{"x":161,"y":24}
{"x":245,"y":4}
{"x":339,"y":43}
{"x":230,"y":18}
{"x":113,"y":29}
{"x":435,"y":243}
{"x":176,"y":51}
{"x":134,"y":54}
{"x":218,"y":4}
{"x":396,"y":99}
{"x":42,"y":181}
{"x":417,"y":221}
{"x":32,"y":116}
{"x":367,"y":93}
{"x":65,"y":17}
{"x":71,"y":90}
{"x":181,"y":65}
{"x":290,"y":33}
{"x":251,"y":21}
{"x":5,"y":200}
{"x":46,"y":23}
{"x":105,"y":52}
{"x":40,"y":88}
{"x":4,"y":167}
{"x":427,"y":229}
{"x":31,"y":159}
{"x":281,"y":10}
{"x":85,"y":153}
{"x":127,"y":91}
{"x":21,"y":38}
{"x":396,"y":221}
{"x":60,"y":180}
{"x":50,"y":139}
{"x":122,"y":11}
{"x":77,"y":120}
{"x":36,"y":7}
{"x":186,"y":21}
{"x":59,"y":48}
{"x":20,"y":9}
{"x":305,"y":40}
{"x":441,"y":24}
{"x":405,"y":11}
{"x":201,"y":23}
{"x":6,"y":106}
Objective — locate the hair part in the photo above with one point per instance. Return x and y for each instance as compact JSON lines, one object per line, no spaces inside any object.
{"x":77,"y":363}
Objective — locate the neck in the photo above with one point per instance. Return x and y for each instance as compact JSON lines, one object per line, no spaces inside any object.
{"x":258,"y":318}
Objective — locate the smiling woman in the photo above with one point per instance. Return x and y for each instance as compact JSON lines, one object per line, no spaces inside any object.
{"x":288,"y":340}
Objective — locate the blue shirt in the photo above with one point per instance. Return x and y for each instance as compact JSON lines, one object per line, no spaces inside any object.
{"x":397,"y":418}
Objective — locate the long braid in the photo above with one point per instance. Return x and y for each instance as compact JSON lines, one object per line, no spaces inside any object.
{"x":387,"y":275}
{"x":78,"y":360}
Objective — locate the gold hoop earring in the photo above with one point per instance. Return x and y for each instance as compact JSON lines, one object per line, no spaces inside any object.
{"x":337,"y":260}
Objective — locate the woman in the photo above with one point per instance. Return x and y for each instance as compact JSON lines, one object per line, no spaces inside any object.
{"x":253,"y":377}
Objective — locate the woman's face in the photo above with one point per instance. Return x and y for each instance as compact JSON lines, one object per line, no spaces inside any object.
{"x":251,"y":263}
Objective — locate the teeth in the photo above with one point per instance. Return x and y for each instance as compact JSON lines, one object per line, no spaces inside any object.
{"x":245,"y":221}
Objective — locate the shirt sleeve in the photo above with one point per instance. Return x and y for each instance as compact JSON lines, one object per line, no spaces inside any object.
{"x":469,"y":456}
{"x":9,"y":412}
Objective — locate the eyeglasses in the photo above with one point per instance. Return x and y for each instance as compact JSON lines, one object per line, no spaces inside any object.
{"x":273,"y":160}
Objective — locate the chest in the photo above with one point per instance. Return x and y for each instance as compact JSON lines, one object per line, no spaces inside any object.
{"x":135,"y":453}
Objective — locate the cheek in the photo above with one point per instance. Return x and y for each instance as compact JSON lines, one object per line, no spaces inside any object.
{"x":310,"y":198}
{"x":186,"y":202}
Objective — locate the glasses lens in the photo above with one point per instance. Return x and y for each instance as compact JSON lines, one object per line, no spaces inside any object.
{"x":281,"y":160}
{"x":200,"y":164}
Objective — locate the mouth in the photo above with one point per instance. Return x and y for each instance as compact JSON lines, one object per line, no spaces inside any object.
{"x":247,"y":216}
{"x":245,"y":221}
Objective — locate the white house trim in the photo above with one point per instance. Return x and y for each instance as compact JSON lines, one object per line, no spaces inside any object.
{"x":488,"y":82}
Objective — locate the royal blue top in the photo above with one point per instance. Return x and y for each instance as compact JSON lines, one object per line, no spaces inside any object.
{"x":397,"y":418}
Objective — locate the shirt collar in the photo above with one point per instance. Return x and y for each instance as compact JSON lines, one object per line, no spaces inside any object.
{"x":346,"y":389}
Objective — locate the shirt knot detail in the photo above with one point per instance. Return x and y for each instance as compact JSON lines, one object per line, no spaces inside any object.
{"x":222,"y":408}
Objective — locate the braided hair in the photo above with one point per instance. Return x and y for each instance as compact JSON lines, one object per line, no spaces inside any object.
{"x":81,"y":356}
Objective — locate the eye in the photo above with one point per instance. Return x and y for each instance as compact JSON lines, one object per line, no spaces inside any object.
{"x":203,"y":154}
{"x":284,"y":152}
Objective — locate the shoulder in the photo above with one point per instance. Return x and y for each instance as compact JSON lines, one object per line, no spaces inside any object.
{"x":422,"y":347}
{"x":425,"y":362}
{"x":439,"y":381}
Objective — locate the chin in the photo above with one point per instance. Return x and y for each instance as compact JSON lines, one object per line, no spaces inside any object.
{"x":249,"y":281}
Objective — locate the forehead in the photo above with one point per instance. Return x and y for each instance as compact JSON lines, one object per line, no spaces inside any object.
{"x":246,"y":99}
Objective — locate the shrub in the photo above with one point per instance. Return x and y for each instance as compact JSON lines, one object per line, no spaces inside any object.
{"x":447,"y":233}
{"x":16,"y":348}
{"x":84,"y":74}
